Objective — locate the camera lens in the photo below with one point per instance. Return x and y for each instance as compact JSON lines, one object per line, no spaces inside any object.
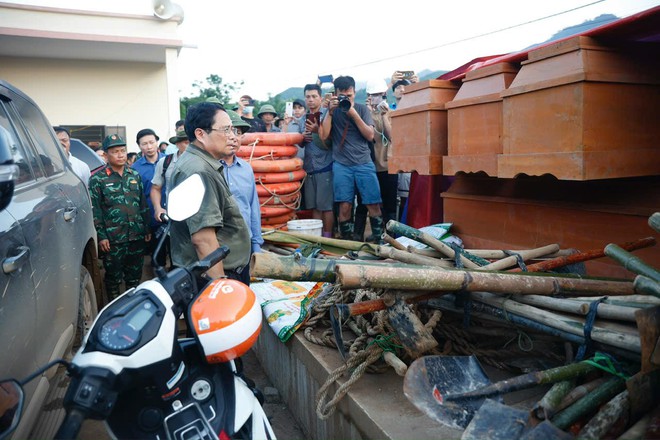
{"x":344,"y":103}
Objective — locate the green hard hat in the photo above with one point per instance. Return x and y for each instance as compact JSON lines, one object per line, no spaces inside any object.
{"x":112,"y":140}
{"x":237,"y":121}
{"x":213,"y":99}
{"x":267,"y":108}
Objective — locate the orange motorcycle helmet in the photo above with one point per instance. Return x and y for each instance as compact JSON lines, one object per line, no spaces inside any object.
{"x":225,"y":319}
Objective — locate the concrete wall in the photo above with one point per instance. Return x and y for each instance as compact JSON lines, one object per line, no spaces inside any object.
{"x":80,"y":92}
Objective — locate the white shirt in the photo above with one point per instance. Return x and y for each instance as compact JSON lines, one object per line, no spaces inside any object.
{"x":80,"y":168}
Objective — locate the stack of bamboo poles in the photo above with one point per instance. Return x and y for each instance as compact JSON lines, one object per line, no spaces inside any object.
{"x":503,"y":288}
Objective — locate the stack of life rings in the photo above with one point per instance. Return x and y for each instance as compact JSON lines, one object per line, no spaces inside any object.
{"x":278,"y":174}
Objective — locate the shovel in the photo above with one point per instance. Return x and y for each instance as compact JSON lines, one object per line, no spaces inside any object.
{"x":429,"y":378}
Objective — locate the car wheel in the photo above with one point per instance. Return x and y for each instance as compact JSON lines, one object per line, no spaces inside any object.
{"x":87,"y":307}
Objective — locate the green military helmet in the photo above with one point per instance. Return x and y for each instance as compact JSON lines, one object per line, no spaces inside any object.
{"x":214,"y":100}
{"x":267,"y":108}
{"x":180,"y":136}
{"x":112,"y":140}
{"x":237,"y":121}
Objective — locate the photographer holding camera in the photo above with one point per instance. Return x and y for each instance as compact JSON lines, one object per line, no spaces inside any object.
{"x":351,"y":128}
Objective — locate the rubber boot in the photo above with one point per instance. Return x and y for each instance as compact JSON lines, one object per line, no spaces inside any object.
{"x":360,"y":222}
{"x":377,"y":225}
{"x":346,"y":230}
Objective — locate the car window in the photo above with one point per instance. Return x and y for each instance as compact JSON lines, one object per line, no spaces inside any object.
{"x":20,"y":158}
{"x":41,"y":136}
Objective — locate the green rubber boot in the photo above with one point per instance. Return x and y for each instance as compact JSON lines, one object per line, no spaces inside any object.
{"x":377,"y":229}
{"x":346,"y":230}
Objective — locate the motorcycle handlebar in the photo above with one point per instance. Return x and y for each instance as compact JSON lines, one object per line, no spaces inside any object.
{"x":71,"y":425}
{"x":217,"y":255}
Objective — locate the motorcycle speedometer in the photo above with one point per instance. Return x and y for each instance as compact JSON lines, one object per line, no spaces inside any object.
{"x":124,"y":331}
{"x":116,"y":335}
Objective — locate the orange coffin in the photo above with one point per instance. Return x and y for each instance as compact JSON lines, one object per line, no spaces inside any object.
{"x":582,"y":111}
{"x":419,"y":128}
{"x":475,"y":121}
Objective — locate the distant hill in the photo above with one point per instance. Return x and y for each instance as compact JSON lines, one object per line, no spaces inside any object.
{"x":579,"y":28}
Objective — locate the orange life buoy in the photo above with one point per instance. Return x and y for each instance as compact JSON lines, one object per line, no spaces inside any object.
{"x":267,"y":189}
{"x":292,"y":176}
{"x":281,"y":199}
{"x":272,"y":138}
{"x":278,"y":227}
{"x":264,"y":151}
{"x":276,"y":166}
{"x":278,"y":220}
{"x":275,"y":211}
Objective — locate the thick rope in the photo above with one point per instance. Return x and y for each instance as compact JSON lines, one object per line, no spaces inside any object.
{"x":358,"y":364}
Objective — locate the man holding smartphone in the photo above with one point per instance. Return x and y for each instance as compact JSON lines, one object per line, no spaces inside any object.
{"x":351,"y":128}
{"x":317,"y":188}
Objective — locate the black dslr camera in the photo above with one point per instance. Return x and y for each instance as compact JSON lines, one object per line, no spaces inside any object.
{"x":344,"y":103}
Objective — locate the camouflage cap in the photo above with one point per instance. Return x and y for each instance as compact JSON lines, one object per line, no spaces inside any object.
{"x":267,"y":108}
{"x":112,"y":140}
{"x":180,"y":136}
{"x":237,"y":121}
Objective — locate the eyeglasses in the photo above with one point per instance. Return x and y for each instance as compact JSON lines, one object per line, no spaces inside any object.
{"x":226,"y":130}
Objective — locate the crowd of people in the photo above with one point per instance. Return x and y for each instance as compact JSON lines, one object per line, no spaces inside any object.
{"x":344,"y":150}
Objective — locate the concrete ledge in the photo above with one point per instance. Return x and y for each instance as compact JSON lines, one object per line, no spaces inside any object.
{"x":374,"y":408}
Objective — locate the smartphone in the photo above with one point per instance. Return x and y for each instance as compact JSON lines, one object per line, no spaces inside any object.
{"x":326,"y":79}
{"x":288,"y":109}
{"x":408,"y":73}
{"x":375,"y":100}
{"x":314,"y":117}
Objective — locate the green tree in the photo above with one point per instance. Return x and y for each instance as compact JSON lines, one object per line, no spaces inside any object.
{"x":211,"y":87}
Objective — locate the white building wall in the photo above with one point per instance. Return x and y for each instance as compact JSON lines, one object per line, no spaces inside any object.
{"x":72,"y":92}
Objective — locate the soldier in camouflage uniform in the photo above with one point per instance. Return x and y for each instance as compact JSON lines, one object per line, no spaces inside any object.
{"x":121,"y":217}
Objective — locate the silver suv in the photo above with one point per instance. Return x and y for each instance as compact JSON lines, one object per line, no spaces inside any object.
{"x":48,"y":255}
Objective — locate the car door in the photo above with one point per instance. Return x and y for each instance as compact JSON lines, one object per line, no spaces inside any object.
{"x":50,"y":230}
{"x":18,"y":312}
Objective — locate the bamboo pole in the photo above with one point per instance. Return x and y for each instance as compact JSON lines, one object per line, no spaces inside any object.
{"x":496,"y":314}
{"x":417,"y":235}
{"x":547,"y":406}
{"x":646,"y":285}
{"x":607,"y":311}
{"x":491,"y":254}
{"x":507,"y":283}
{"x":588,"y":403}
{"x":631,"y":262}
{"x":524,"y":381}
{"x":584,"y":256}
{"x":407,"y":257}
{"x":601,"y":423}
{"x":392,"y":242}
{"x":578,"y":393}
{"x":299,"y":268}
{"x":654,"y":221}
{"x":512,"y":260}
{"x":598,"y":333}
{"x":637,"y":301}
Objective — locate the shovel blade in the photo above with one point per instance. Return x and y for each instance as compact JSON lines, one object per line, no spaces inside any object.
{"x":429,"y":378}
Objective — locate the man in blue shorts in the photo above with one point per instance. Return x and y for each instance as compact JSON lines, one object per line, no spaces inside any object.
{"x":351,"y":128}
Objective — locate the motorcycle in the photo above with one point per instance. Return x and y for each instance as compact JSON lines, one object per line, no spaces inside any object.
{"x":133,"y":372}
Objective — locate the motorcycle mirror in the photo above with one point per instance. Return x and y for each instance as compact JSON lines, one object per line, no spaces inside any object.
{"x":186,"y":198}
{"x":11,"y":406}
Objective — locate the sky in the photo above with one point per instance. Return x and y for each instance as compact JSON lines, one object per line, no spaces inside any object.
{"x":274,"y":45}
